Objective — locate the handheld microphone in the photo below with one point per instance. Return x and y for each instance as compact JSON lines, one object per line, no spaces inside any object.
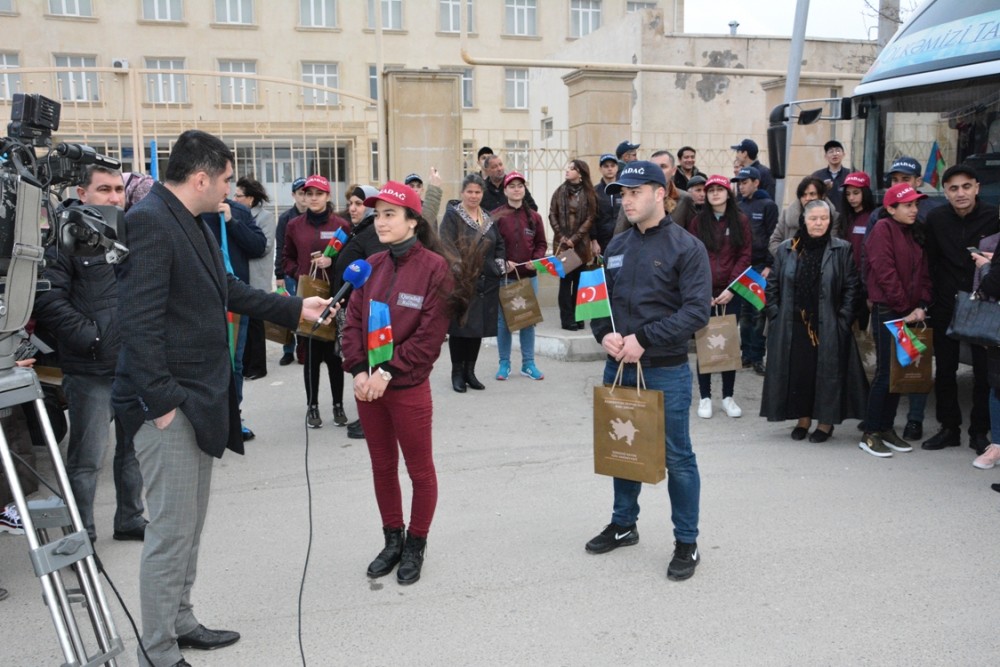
{"x":355,"y":275}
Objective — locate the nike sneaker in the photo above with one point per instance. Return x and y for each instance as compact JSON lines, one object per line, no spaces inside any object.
{"x":612,"y":537}
{"x":684,"y":562}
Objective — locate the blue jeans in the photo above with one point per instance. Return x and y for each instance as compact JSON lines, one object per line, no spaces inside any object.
{"x":752,"y":321}
{"x":241,"y":344}
{"x":882,"y":404}
{"x":918,"y":405}
{"x":527,"y":334}
{"x":291,"y":286}
{"x":683,"y":480}
{"x":89,"y":399}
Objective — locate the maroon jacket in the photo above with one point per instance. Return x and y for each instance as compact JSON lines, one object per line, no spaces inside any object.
{"x":855,"y":228}
{"x":728,"y":262}
{"x":302,"y":238}
{"x":523,"y":235}
{"x":416,"y":287}
{"x":896,"y":268}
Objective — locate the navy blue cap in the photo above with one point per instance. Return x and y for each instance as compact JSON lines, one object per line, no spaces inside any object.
{"x":412,"y":177}
{"x":635,"y":174}
{"x":905,"y":165}
{"x":625,"y":147}
{"x":748,"y":145}
{"x":745,"y":173}
{"x":607,"y":157}
{"x":298,"y":184}
{"x":697,"y":179}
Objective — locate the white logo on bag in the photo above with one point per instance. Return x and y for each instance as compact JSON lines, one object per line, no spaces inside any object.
{"x":717,"y":342}
{"x":518,"y":303}
{"x":623,"y":430}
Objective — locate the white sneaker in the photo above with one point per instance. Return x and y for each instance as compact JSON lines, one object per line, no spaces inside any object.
{"x":989,"y":458}
{"x":705,"y":408}
{"x":729,"y":405}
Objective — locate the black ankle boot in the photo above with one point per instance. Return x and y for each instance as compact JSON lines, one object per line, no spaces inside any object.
{"x":470,"y":377}
{"x":389,"y":556}
{"x":458,"y":378}
{"x":412,"y":560}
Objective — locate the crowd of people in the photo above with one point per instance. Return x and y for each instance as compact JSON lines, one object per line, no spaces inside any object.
{"x":672,"y":240}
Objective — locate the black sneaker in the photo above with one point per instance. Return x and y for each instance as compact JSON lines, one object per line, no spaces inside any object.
{"x":684,"y":562}
{"x":612,"y":537}
{"x":979,"y":442}
{"x":914,"y":430}
{"x":286,"y":359}
{"x":339,"y":416}
{"x":355,"y":431}
{"x":312,"y":419}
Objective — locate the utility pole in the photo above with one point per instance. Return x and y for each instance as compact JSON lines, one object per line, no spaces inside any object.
{"x":792,"y":84}
{"x":888,"y":21}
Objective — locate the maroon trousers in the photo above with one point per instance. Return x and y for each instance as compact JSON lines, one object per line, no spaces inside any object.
{"x":401,"y":421}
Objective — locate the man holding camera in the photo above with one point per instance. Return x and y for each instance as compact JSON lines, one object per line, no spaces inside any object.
{"x":79,"y":311}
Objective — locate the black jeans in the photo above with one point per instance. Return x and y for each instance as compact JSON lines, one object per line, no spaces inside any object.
{"x":882,"y":404}
{"x":567,"y":297}
{"x":318,"y":351}
{"x":946,"y":351}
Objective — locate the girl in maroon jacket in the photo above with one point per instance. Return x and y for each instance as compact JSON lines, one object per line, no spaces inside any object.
{"x":725,"y":231}
{"x":307,"y":234}
{"x":899,"y":287}
{"x":524,"y":240}
{"x":394,"y":397}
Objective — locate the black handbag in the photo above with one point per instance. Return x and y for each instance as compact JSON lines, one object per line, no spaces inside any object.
{"x":976,"y":320}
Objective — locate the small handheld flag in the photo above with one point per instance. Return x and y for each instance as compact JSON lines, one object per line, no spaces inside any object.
{"x":551,"y":265}
{"x":592,"y":296}
{"x":336,"y":244}
{"x":908,"y":346}
{"x":379,"y":334}
{"x":750,"y":285}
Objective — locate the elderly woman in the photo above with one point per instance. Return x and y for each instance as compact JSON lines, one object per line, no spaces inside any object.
{"x":813,"y":371}
{"x":790,"y":220}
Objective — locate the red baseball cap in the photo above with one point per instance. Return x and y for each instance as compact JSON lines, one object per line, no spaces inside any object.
{"x":394,"y":192}
{"x":900,"y":194}
{"x":716,"y":179}
{"x":513,"y":176}
{"x":857,"y":179}
{"x":318,"y":182}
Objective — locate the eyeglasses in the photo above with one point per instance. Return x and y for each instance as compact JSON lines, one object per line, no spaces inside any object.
{"x":836,"y":150}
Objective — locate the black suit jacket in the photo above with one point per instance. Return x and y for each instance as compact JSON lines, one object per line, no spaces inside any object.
{"x":173,"y":294}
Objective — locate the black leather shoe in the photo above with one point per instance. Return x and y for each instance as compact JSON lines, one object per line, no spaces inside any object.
{"x":137,"y":534}
{"x":389,"y":557}
{"x":799,"y":433}
{"x":204,"y":639}
{"x":182,"y":663}
{"x":286,"y":359}
{"x":946,"y":437}
{"x":819,"y":435}
{"x":471,"y":381}
{"x":355,"y":431}
{"x":914,"y":430}
{"x":995,"y":487}
{"x":458,"y":383}
{"x":979,"y":442}
{"x":412,"y":560}
{"x":758,"y":368}
{"x":255,"y":376}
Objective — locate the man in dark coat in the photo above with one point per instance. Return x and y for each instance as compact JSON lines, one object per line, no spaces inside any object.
{"x":175,"y":391}
{"x":493,"y":195}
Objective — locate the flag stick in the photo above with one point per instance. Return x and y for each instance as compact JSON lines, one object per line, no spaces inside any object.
{"x":612,"y":315}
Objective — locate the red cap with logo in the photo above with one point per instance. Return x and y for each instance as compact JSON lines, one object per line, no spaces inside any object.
{"x":716,"y":179}
{"x":513,"y":176}
{"x":857,"y":179}
{"x":394,"y":192}
{"x":318,"y":182}
{"x":901,"y":193}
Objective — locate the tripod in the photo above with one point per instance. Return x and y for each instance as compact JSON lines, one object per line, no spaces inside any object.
{"x":58,"y":544}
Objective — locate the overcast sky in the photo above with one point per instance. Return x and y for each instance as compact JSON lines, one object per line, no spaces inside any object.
{"x":844,"y":19}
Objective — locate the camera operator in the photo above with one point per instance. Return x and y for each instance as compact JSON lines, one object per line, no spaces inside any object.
{"x":80,"y":313}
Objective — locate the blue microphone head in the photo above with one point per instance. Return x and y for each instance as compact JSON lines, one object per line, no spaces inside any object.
{"x":357,"y":273}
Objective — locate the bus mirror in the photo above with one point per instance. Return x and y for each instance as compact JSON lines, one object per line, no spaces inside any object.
{"x":777,"y":140}
{"x":845,"y":108}
{"x":809,"y":116}
{"x":778,"y":115}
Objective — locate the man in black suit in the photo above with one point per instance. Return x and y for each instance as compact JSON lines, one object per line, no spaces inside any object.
{"x":174,"y":390}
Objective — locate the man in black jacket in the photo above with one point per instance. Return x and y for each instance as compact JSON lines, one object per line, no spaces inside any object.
{"x":950,"y":231}
{"x":493,"y":196}
{"x":746,"y":154}
{"x":80,"y":311}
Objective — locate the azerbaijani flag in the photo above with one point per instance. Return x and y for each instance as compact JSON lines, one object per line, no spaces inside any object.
{"x":935,"y":167}
{"x":908,"y":346}
{"x":592,"y":296}
{"x":379,"y":333}
{"x":552,"y":265}
{"x":750,"y":285}
{"x":335,"y":244}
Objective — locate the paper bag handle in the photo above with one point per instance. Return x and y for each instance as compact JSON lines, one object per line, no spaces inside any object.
{"x":640,"y":381}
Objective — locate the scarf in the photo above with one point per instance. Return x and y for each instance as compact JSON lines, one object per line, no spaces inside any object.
{"x":807,"y":278}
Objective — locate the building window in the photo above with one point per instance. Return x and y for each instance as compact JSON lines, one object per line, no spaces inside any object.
{"x":639,"y":6}
{"x":372,"y":82}
{"x":584,"y":17}
{"x":392,"y":14}
{"x":7,"y":6}
{"x":548,"y":128}
{"x":374,"y":154}
{"x":318,"y":13}
{"x":71,"y":8}
{"x":520,"y":17}
{"x":166,"y":86}
{"x":517,"y":155}
{"x":450,"y":16}
{"x":237,"y":90}
{"x":468,"y":89}
{"x":516,"y":88}
{"x":9,"y":83}
{"x":321,"y":74}
{"x":234,"y":11}
{"x":77,"y":86}
{"x":161,"y":10}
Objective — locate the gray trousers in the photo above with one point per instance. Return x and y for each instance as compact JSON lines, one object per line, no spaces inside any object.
{"x":178,"y":479}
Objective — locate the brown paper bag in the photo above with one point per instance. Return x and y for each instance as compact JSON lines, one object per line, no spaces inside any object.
{"x":718,"y":345}
{"x":629,"y":431}
{"x":570,"y":260}
{"x":315,"y":284}
{"x":918,"y":377}
{"x":866,"y":349}
{"x":519,"y":304}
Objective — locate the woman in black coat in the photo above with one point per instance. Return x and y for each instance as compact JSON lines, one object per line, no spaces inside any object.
{"x":813,"y":367}
{"x":468,"y":231}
